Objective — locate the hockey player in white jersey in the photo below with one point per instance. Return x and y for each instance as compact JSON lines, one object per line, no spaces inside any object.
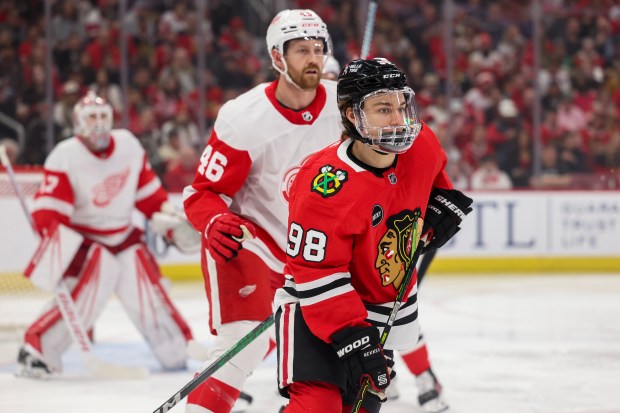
{"x":239,"y":198}
{"x":92,"y":184}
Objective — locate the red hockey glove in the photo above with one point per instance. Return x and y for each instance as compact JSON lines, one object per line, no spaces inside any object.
{"x":444,"y":213}
{"x":224,"y":236}
{"x":359,"y":349}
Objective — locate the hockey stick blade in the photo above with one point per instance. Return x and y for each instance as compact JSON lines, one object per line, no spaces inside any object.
{"x":215,"y":366}
{"x":105,"y":370}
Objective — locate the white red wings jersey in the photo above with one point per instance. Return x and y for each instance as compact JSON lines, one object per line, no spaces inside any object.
{"x":253,"y":155}
{"x":351,"y":234}
{"x":96,"y":195}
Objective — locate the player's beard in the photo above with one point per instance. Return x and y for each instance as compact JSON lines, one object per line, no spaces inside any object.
{"x":303,"y":80}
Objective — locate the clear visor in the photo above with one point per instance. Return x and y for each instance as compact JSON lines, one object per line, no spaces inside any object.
{"x":95,"y":125}
{"x":388,"y":119}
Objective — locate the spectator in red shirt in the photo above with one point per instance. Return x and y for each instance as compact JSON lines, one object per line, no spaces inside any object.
{"x":181,"y":173}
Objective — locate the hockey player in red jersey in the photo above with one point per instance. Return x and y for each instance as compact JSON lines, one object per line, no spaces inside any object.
{"x":239,"y":197}
{"x":357,"y":211}
{"x":92,"y":183}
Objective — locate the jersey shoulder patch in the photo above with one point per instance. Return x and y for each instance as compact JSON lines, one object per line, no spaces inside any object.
{"x":324,"y":175}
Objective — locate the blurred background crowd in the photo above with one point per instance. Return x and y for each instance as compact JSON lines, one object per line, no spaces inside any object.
{"x":511,"y":112}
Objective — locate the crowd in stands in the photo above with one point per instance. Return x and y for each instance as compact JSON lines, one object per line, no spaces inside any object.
{"x":485,"y":121}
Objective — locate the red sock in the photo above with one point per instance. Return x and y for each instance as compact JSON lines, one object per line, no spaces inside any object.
{"x":313,"y":396}
{"x":214,"y":395}
{"x":417,"y":359}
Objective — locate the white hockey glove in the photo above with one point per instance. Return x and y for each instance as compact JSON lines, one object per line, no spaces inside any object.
{"x":174,"y":227}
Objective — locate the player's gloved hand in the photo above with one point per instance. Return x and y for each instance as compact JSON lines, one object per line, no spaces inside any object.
{"x":444,"y":213}
{"x":359,"y":349}
{"x":224,"y":235}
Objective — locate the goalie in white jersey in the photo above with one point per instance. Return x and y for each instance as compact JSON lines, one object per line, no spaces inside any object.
{"x":92,"y":183}
{"x":240,"y":194}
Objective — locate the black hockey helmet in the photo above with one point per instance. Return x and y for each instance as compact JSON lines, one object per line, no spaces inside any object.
{"x":361,"y":79}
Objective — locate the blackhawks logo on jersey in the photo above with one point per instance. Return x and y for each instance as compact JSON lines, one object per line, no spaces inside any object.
{"x":328,"y":182}
{"x":396,"y":247}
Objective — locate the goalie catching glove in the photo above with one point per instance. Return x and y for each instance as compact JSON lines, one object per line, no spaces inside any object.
{"x":362,"y":355}
{"x":444,"y":213}
{"x":173,"y":226}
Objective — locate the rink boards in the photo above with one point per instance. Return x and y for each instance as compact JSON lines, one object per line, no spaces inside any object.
{"x":516,"y":231}
{"x":508,"y":232}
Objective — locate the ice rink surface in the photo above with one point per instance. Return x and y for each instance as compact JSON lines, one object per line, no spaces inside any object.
{"x":499,"y":344}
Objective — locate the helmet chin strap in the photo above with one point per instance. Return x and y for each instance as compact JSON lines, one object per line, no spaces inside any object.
{"x":380,"y":152}
{"x":285,"y":73}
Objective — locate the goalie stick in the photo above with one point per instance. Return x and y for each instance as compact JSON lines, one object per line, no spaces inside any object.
{"x":66,"y":305}
{"x":215,"y":366}
{"x":390,"y":322}
{"x":368,"y":29}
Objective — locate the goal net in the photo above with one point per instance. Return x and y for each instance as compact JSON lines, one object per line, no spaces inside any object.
{"x":20,"y":300}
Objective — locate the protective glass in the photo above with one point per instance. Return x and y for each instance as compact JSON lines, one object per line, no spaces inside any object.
{"x":388,"y":119}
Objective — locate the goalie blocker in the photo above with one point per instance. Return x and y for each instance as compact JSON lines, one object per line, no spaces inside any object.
{"x":130,"y":273}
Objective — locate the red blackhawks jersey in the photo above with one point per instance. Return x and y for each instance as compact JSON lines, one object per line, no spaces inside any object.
{"x":352,"y":231}
{"x":251,"y":159}
{"x":96,"y":194}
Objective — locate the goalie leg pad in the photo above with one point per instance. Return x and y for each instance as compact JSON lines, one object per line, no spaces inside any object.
{"x":53,"y":256}
{"x":148,"y":305}
{"x":90,"y":290}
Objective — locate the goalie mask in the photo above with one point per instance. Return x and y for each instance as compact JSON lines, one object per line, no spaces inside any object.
{"x":383,"y":106}
{"x":291,"y":25}
{"x":92,"y":121}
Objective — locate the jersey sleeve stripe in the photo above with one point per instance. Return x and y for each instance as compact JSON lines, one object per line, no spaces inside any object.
{"x":53,"y":204}
{"x":327,"y":295}
{"x":147,"y":190}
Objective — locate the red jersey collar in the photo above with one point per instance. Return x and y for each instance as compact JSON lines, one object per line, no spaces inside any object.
{"x":305,"y":116}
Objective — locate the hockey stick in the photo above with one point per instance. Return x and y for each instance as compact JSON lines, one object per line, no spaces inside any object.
{"x":391,"y":319}
{"x":215,"y":366}
{"x":368,"y":29}
{"x":67,"y":308}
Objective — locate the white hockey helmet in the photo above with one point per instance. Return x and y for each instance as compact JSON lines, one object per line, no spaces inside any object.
{"x":295,"y":24}
{"x":92,"y":121}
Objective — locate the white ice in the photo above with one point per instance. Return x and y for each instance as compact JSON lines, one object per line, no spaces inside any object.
{"x":507,"y":344}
